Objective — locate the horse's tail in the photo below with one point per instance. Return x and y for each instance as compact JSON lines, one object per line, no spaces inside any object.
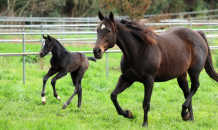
{"x":208,"y":64}
{"x":92,"y":58}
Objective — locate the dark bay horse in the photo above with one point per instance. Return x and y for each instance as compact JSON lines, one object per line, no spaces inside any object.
{"x":149,"y":57}
{"x":62,"y":62}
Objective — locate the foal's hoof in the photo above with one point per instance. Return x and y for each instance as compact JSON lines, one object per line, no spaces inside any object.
{"x":186,"y":117}
{"x":130,"y":116}
{"x":145,"y":124}
{"x":58,"y":98}
{"x":64,"y":106}
{"x":43,"y":100}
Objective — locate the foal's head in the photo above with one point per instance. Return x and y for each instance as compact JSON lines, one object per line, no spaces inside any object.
{"x":106,"y":33}
{"x":47,"y":46}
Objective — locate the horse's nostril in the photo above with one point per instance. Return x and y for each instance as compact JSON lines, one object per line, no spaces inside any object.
{"x":99,"y":51}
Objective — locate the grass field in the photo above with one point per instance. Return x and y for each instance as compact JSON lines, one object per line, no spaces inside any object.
{"x":21,"y":106}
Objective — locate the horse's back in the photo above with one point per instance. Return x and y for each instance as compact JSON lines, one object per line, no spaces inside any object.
{"x":182,"y":49}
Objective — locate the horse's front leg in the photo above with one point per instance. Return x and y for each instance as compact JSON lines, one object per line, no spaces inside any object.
{"x":148,"y":87}
{"x":53,"y":82}
{"x":122,"y":84}
{"x":45,"y":78}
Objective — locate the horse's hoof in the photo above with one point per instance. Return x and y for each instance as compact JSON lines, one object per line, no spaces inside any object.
{"x":186,"y":117}
{"x":64,"y":106}
{"x":130,"y":116}
{"x":43,"y":100}
{"x":58,"y":98}
{"x":145,"y":124}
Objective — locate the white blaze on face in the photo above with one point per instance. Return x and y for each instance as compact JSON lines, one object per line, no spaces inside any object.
{"x":43,"y":44}
{"x":103,"y":26}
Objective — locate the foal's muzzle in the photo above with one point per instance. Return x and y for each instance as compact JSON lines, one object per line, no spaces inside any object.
{"x":97,"y":53}
{"x":41,"y":54}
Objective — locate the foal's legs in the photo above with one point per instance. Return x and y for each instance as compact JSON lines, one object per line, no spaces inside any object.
{"x":77,"y":79}
{"x":45,"y":78}
{"x":120,"y":87}
{"x":183,"y":84}
{"x":53,"y":82}
{"x":148,"y":84}
{"x":194,"y":76}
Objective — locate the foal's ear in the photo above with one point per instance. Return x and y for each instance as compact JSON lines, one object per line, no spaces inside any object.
{"x":44,"y":36}
{"x":101,"y":17}
{"x":50,"y":38}
{"x":111,"y":17}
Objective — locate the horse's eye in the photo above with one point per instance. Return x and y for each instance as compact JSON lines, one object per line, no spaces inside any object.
{"x":108,"y":31}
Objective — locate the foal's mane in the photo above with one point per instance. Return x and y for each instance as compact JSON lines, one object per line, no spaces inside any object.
{"x":59,"y":43}
{"x":144,"y":33}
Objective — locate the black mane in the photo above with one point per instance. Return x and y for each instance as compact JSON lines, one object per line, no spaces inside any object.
{"x":144,"y":33}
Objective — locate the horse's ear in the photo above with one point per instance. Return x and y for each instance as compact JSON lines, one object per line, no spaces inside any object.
{"x":101,"y":17}
{"x":44,"y":36}
{"x":111,"y":17}
{"x":50,"y":38}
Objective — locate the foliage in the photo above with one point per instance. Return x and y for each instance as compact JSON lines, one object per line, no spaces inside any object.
{"x":80,"y":8}
{"x":30,"y":58}
{"x":83,"y":8}
{"x":133,"y":8}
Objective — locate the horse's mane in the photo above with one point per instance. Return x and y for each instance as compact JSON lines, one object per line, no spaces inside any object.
{"x":144,"y":33}
{"x":59,"y":43}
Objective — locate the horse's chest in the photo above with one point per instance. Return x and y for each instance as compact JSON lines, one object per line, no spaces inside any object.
{"x":131,"y":74}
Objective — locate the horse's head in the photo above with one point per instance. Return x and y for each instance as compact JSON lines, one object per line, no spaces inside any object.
{"x":106,"y":35}
{"x":47,"y":46}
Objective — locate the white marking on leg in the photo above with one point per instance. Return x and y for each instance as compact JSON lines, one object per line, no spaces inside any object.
{"x":43,"y":100}
{"x":58,"y":98}
{"x":103,"y":26}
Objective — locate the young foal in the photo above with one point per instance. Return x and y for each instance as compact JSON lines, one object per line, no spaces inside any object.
{"x":149,"y":57}
{"x":62,"y":62}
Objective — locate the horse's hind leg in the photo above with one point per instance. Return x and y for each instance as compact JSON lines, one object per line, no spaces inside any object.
{"x":183,"y":84}
{"x":77,"y":79}
{"x":194,"y":76}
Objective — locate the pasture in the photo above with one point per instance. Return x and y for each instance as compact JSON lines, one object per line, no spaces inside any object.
{"x":21,"y":106}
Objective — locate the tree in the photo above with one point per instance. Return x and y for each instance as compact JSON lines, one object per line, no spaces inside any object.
{"x":133,"y":8}
{"x":81,"y":8}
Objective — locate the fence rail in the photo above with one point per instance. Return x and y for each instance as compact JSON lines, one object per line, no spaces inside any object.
{"x":70,"y":33}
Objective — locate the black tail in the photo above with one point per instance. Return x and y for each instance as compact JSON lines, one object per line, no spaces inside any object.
{"x":92,"y":58}
{"x":208,"y":64}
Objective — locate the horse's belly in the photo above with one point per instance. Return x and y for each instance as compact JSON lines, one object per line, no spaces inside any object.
{"x":171,"y":71}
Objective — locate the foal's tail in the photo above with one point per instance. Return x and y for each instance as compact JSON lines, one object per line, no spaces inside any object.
{"x":208,"y":64}
{"x":92,"y":58}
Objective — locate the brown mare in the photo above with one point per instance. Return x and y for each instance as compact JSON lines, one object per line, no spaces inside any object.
{"x":62,"y":62}
{"x":149,"y":57}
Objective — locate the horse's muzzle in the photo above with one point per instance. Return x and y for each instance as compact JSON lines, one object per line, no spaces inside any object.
{"x":97,"y":53}
{"x":41,"y":54}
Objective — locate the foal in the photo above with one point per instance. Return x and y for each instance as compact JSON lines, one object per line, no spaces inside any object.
{"x":62,"y":62}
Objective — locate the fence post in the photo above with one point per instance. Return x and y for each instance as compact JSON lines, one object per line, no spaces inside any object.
{"x":63,"y":29}
{"x":41,"y":35}
{"x":24,"y":58}
{"x":107,"y":63}
{"x":211,"y":33}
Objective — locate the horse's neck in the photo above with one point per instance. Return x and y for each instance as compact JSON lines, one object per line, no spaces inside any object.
{"x":57,"y":51}
{"x":128,"y":44}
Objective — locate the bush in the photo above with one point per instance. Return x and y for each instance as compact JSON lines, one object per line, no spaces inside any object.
{"x":30,"y":58}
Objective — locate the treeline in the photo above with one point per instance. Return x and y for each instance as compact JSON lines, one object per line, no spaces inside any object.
{"x":89,"y":8}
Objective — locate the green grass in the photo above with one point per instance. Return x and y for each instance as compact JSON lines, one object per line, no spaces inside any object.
{"x":21,"y":106}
